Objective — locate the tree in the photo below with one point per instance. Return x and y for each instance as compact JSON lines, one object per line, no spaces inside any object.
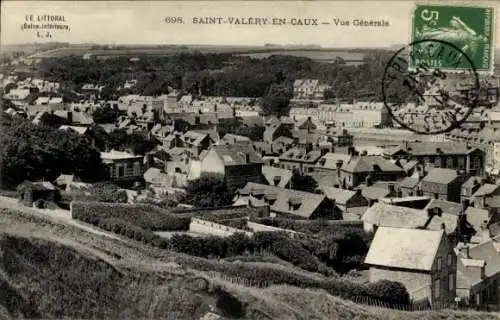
{"x":32,"y":152}
{"x":303,"y":182}
{"x":210,"y":190}
{"x":106,"y":115}
{"x":276,"y":101}
{"x":107,"y":192}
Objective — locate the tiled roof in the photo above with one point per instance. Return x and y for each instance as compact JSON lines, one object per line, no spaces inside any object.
{"x":485,"y":189}
{"x":387,"y":215}
{"x":341,"y":196}
{"x":235,"y":154}
{"x":194,"y":137}
{"x":409,"y":183}
{"x":331,"y":159}
{"x":447,"y":206}
{"x":308,"y":201}
{"x":414,"y":249}
{"x":440,"y":175}
{"x":235,"y":138}
{"x":374,"y":193}
{"x":270,"y":173}
{"x":368,"y":164}
{"x":471,"y":182}
{"x":300,"y":154}
{"x":431,"y":148}
{"x":326,"y":180}
{"x":478,"y":218}
{"x":490,"y":253}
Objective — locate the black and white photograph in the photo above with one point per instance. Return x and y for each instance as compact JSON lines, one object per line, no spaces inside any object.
{"x":254,"y":160}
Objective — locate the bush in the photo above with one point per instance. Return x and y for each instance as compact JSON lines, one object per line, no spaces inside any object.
{"x":131,"y":231}
{"x":39,"y":204}
{"x":141,"y":215}
{"x":277,"y":275}
{"x":393,"y":292}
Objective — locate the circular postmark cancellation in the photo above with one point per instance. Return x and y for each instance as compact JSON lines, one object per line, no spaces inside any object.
{"x":440,"y":100}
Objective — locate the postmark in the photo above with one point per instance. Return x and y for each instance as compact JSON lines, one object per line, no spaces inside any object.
{"x":439,"y":101}
{"x":471,"y":29}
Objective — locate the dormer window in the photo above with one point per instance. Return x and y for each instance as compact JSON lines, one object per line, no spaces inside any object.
{"x":294,"y":203}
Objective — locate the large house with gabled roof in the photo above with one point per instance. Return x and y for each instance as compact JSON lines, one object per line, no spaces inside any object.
{"x":422,"y":260}
{"x":288,"y":202}
{"x":238,"y":163}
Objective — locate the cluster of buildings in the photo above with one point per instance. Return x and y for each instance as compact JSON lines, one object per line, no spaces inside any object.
{"x":434,"y":207}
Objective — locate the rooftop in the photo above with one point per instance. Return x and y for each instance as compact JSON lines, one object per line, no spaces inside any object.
{"x":413,"y":249}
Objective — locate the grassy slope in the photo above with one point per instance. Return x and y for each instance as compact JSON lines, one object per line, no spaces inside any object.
{"x":52,"y":270}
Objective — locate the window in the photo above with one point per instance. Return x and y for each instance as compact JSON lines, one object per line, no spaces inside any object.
{"x":449,"y":259}
{"x":451,"y":282}
{"x":478,"y":298}
{"x":436,"y":288}
{"x":437,"y":162}
{"x":476,"y":163}
{"x":461,"y":163}
{"x":449,"y":162}
{"x":439,"y":263}
{"x":121,"y":171}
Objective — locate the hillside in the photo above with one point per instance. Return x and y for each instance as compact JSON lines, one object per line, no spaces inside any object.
{"x":51,"y":269}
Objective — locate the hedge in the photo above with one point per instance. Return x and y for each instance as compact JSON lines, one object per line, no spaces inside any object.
{"x":141,"y":215}
{"x":274,"y":276}
{"x":131,"y":231}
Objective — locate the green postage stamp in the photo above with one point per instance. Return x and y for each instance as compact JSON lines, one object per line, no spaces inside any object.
{"x":469,"y":29}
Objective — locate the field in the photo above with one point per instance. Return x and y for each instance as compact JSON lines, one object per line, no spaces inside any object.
{"x":255,"y":52}
{"x":67,"y":271}
{"x":317,"y":55}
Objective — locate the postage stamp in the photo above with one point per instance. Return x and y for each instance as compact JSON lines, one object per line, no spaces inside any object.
{"x":437,"y":105}
{"x":471,"y":29}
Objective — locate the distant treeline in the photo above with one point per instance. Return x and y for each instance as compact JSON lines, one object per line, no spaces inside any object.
{"x":219,"y":74}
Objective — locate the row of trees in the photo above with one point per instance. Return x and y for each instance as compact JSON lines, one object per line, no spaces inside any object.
{"x":225,"y":74}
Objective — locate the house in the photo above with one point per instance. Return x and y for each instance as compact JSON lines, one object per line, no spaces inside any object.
{"x":470,"y":186}
{"x":361,"y":169}
{"x":480,"y":219}
{"x":308,"y":89}
{"x":230,"y":138}
{"x":351,"y":203}
{"x":373,"y":193}
{"x":238,"y":163}
{"x":478,"y":274}
{"x":386,"y":215}
{"x":484,"y":191}
{"x":30,"y":192}
{"x":75,"y":117}
{"x":300,"y":159}
{"x":276,"y":176}
{"x":449,"y":207}
{"x":444,"y":184}
{"x":409,"y":186}
{"x":456,"y":156}
{"x":275,"y":129}
{"x":197,"y":141}
{"x":288,"y":202}
{"x":165,"y":183}
{"x":413,"y":202}
{"x":422,"y":260}
{"x":124,"y":168}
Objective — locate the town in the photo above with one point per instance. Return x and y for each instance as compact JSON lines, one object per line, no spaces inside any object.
{"x":302,"y":168}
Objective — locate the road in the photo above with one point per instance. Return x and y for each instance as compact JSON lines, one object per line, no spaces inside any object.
{"x":57,"y":215}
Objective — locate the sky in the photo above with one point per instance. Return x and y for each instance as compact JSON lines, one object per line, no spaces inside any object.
{"x":134,"y":22}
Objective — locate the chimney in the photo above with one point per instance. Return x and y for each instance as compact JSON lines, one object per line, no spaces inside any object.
{"x":358,"y":192}
{"x":339,"y":167}
{"x":247,"y":158}
{"x":438,"y":150}
{"x":406,"y":145}
{"x":197,"y":119}
{"x":464,"y":251}
{"x":465,"y":205}
{"x":276,"y":180}
{"x":483,"y":270}
{"x":430,"y":215}
{"x":70,"y":117}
